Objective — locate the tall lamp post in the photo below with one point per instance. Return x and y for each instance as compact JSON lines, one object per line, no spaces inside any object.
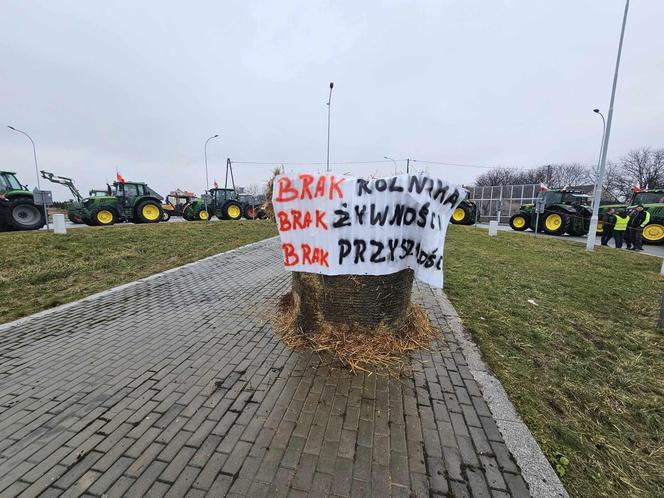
{"x":590,"y":240}
{"x":329,"y":107}
{"x":34,"y":153}
{"x":395,"y":163}
{"x":601,"y":145}
{"x":207,"y":181}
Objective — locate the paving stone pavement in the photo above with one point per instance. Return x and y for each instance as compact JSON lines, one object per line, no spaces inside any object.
{"x":176,"y":386}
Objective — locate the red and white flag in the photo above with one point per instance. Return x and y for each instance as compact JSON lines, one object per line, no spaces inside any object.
{"x":543,"y":188}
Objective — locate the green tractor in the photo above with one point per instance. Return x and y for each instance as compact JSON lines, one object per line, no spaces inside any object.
{"x":223,"y":203}
{"x":465,"y":213}
{"x":75,"y":206}
{"x":653,"y":202}
{"x":565,"y":211}
{"x":17,"y":207}
{"x":125,"y":201}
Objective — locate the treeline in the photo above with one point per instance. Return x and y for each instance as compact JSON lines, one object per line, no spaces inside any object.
{"x":643,"y":167}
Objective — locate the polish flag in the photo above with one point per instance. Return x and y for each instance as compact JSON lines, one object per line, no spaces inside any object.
{"x":119,"y":177}
{"x":636,"y":189}
{"x":543,"y":188}
{"x":216,"y":185}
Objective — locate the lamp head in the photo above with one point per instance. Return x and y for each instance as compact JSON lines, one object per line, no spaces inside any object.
{"x":215,"y":136}
{"x":11,"y":127}
{"x":596,"y":110}
{"x":331,"y":85}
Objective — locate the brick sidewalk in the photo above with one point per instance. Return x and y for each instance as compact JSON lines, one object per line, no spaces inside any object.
{"x":176,"y":386}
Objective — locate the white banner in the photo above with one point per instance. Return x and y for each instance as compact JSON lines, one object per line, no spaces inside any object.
{"x":335,"y":224}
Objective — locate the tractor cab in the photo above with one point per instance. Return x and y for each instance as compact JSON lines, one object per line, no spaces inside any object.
{"x":221,"y":195}
{"x":99,"y":193}
{"x":176,"y":202}
{"x":654,"y":196}
{"x":562,"y":196}
{"x":9,"y":183}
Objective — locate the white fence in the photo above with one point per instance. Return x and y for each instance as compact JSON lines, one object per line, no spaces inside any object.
{"x":507,"y":197}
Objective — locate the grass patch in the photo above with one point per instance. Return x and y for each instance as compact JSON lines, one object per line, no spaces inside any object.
{"x":584,"y":368}
{"x":39,"y":270}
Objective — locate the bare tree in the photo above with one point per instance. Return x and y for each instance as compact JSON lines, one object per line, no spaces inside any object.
{"x":496,"y":176}
{"x":643,"y":167}
{"x":254,"y":189}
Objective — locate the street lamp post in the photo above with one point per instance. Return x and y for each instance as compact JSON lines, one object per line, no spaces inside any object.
{"x":207,"y":181}
{"x":601,"y":145}
{"x":329,"y":107}
{"x":34,"y":153}
{"x":395,"y":163}
{"x":590,"y":240}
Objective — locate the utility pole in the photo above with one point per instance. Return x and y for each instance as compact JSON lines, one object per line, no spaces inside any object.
{"x":590,"y":241}
{"x":207,"y":182}
{"x":329,"y":107}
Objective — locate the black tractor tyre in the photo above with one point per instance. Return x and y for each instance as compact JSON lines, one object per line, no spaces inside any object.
{"x":250,"y":212}
{"x":261,"y":214}
{"x":555,"y":222}
{"x":102,"y":217}
{"x":148,"y":211}
{"x":166,"y":216}
{"x":25,"y":215}
{"x":232,"y":210}
{"x":515,"y":222}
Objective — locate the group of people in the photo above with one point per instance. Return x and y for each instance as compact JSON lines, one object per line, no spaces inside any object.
{"x":625,"y":227}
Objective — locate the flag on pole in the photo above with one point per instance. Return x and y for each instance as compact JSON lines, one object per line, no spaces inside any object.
{"x":543,"y":188}
{"x":216,"y":185}
{"x":119,"y":177}
{"x":636,"y":189}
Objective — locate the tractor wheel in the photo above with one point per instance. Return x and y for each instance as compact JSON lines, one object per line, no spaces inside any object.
{"x":103,"y":217}
{"x":520,"y":222}
{"x":250,"y":212}
{"x":461,"y":215}
{"x":166,"y":216}
{"x":653,"y":233}
{"x":148,"y":212}
{"x":261,"y":214}
{"x":555,"y":223}
{"x":25,"y":215}
{"x":232,"y":210}
{"x":203,"y":215}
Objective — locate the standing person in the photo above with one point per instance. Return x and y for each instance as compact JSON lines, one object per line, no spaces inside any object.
{"x":637,"y":222}
{"x":608,"y":222}
{"x":620,"y":228}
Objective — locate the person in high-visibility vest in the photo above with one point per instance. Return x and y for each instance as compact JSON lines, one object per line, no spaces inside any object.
{"x":637,"y":222}
{"x":620,"y":228}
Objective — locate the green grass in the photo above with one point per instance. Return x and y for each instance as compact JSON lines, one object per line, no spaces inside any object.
{"x":40,"y":270}
{"x":584,"y":368}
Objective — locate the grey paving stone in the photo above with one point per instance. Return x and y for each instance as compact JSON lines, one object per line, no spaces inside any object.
{"x":200,"y":397}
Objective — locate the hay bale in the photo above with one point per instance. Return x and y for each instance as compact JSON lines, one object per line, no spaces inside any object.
{"x":365,"y":322}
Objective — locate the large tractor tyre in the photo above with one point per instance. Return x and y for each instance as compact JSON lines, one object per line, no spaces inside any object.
{"x":653,"y":233}
{"x":148,"y":212}
{"x":166,"y":216}
{"x":232,"y":210}
{"x":250,"y":213}
{"x":462,"y":215}
{"x":25,"y":215}
{"x":101,"y":217}
{"x":555,"y":222}
{"x":520,"y":222}
{"x":203,"y":215}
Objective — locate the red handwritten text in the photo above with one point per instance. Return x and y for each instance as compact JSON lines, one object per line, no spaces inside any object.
{"x":298,"y":220}
{"x":305,"y":255}
{"x":329,"y":187}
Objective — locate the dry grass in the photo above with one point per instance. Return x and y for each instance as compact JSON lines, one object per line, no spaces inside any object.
{"x":380,"y":349}
{"x":268,"y":207}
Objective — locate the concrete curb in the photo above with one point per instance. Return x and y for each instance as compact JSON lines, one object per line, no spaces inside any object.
{"x":92,"y":297}
{"x":535,"y":468}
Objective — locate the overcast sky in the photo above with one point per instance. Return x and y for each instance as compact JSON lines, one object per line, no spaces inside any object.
{"x":140,"y":85}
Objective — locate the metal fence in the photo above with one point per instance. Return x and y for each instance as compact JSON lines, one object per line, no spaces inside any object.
{"x":506,"y":197}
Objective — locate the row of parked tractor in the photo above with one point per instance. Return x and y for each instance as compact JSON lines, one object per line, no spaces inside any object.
{"x":563,"y":211}
{"x":568,"y":211}
{"x":123,"y":201}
